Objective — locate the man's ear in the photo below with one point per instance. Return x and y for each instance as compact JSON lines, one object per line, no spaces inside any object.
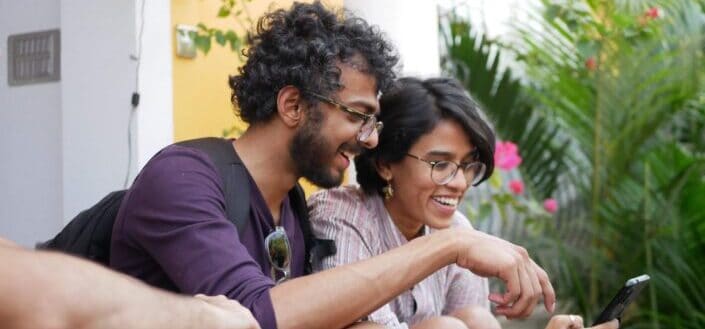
{"x":289,"y":106}
{"x":384,"y":170}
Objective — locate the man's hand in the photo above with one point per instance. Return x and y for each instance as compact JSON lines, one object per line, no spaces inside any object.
{"x":576,"y":322}
{"x":525,"y":281}
{"x":228,"y":314}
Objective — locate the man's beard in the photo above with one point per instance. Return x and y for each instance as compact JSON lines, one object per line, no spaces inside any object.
{"x":312,"y":154}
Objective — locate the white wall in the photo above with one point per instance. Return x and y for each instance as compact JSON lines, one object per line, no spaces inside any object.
{"x":98,"y":78}
{"x":30,"y":135}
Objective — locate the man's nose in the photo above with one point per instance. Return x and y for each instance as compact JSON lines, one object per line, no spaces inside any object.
{"x":371,"y":141}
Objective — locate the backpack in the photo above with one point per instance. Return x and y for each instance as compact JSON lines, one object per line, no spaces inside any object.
{"x":89,"y":234}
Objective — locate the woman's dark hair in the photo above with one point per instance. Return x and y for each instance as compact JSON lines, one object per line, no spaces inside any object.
{"x":301,"y":47}
{"x":412,"y":109}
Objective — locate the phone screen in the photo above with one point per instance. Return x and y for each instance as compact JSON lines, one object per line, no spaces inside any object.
{"x":624,"y":297}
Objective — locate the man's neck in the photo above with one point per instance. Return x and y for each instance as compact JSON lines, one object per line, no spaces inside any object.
{"x":265,"y":153}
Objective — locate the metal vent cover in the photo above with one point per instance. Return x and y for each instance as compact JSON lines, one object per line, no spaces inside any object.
{"x":34,"y":57}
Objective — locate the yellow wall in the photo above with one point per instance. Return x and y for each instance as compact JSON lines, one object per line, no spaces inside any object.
{"x":201,"y":93}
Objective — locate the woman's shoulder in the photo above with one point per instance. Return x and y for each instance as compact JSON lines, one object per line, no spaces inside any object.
{"x":348,"y":203}
{"x":348,"y":193}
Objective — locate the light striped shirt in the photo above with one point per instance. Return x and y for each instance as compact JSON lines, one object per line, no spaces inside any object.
{"x":361,"y":228}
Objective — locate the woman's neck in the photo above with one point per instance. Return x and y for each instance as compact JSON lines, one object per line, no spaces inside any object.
{"x":408,"y":227}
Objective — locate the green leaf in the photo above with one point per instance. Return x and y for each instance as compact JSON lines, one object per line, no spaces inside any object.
{"x":220,"y":37}
{"x":496,"y":180}
{"x":484,"y":211}
{"x":224,"y":11}
{"x":203,"y":43}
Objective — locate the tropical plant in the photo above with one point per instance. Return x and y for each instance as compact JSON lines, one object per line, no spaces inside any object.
{"x":237,"y":12}
{"x":619,"y":87}
{"x":475,"y":60}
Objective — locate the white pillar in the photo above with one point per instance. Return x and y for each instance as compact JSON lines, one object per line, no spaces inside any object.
{"x":411,"y":25}
{"x":100,"y":43}
{"x":97,"y":80}
{"x":154,"y":124}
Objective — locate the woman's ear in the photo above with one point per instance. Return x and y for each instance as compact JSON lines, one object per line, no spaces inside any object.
{"x":384,"y":170}
{"x":289,"y":106}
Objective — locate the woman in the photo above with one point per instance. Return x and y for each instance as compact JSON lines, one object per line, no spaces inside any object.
{"x":433,"y":148}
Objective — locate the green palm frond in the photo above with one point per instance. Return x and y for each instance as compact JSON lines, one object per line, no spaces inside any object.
{"x":475,"y":61}
{"x":620,"y":94}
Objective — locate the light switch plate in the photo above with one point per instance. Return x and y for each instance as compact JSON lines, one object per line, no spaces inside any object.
{"x":185,"y":45}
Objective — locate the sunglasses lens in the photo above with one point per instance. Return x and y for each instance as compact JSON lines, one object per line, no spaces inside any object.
{"x":278,"y":249}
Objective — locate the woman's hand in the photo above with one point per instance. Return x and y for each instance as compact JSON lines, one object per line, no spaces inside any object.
{"x":576,"y":322}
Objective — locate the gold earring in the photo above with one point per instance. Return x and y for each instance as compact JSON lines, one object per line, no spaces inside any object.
{"x":388,"y":191}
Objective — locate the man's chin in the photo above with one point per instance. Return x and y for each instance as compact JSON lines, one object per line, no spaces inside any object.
{"x":325,"y":180}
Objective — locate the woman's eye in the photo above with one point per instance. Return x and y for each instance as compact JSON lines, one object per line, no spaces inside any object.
{"x":442,"y":165}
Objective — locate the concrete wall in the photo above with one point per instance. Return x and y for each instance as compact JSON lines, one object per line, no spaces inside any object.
{"x":30,"y":135}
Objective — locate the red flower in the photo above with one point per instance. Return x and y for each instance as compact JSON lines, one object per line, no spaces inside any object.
{"x":516,"y":186}
{"x":590,"y":63}
{"x":551,"y":205}
{"x":652,"y":13}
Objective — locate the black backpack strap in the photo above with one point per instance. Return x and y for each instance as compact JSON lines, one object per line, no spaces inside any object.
{"x":237,"y":194}
{"x":236,"y":187}
{"x":316,"y":249}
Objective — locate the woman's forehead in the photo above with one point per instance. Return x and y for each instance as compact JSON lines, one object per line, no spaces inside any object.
{"x":447,"y":139}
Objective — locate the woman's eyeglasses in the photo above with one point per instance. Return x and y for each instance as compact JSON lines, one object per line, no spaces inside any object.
{"x":279,"y":253}
{"x":442,"y":172}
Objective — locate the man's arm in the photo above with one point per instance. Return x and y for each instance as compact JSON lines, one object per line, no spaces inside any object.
{"x":339,"y":296}
{"x":52,"y":290}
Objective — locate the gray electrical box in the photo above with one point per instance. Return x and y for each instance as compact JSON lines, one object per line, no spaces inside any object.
{"x":33,"y":57}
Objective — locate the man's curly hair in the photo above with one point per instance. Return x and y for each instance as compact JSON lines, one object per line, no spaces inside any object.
{"x":300,"y":47}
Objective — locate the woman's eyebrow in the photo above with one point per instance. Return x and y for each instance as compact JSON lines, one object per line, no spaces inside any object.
{"x":438,"y":153}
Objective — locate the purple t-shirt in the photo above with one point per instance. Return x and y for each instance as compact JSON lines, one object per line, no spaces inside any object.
{"x":172,"y":232}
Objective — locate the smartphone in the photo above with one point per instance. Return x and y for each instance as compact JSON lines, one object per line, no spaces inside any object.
{"x":624,"y":297}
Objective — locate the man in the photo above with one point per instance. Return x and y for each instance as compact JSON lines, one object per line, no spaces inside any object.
{"x":52,"y":290}
{"x":309,"y":93}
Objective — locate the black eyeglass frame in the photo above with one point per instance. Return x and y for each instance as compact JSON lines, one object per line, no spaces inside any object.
{"x":361,"y":136}
{"x":483,"y":169}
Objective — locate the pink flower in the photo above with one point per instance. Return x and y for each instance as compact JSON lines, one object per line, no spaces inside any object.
{"x":506,"y":156}
{"x":516,"y":186}
{"x":590,"y":63}
{"x":551,"y":205}
{"x":652,"y":13}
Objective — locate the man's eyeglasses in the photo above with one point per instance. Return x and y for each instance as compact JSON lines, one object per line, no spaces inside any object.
{"x":279,"y":253}
{"x":369,"y":121}
{"x":442,"y":172}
